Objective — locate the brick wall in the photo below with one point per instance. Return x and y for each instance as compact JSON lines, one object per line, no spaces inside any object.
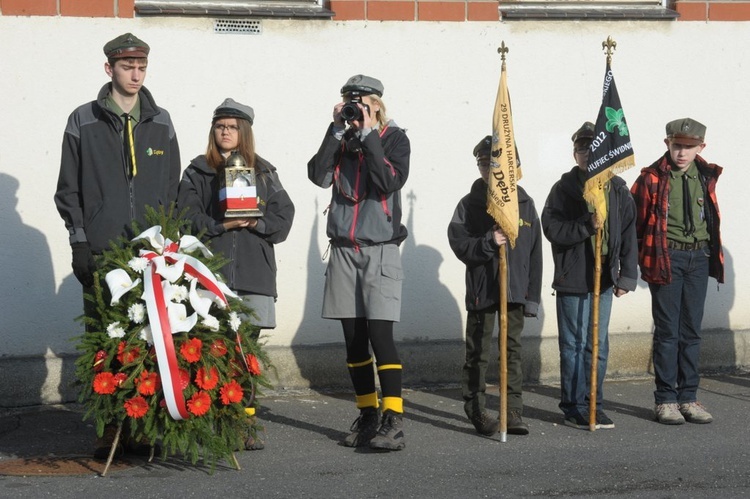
{"x":372,"y":10}
{"x":73,"y":8}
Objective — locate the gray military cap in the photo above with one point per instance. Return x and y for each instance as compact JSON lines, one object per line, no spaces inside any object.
{"x":233,"y":109}
{"x":364,"y":85}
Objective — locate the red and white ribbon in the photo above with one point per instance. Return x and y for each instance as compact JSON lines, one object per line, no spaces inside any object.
{"x":157,"y":309}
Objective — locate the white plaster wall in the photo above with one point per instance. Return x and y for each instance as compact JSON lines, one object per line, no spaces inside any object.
{"x":440,"y":83}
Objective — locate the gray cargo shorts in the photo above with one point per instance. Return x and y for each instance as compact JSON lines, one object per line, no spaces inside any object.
{"x":364,"y":283}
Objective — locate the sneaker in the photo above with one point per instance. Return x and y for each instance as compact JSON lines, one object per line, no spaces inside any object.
{"x":668,"y":414}
{"x":576,"y":420}
{"x":516,"y":426}
{"x":363,"y":428}
{"x":484,"y":424}
{"x":694,"y":412}
{"x":390,"y":435}
{"x":603,"y":421}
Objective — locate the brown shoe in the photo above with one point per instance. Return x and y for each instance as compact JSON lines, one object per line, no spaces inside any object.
{"x":253,"y":441}
{"x":484,"y":424}
{"x":516,"y":426}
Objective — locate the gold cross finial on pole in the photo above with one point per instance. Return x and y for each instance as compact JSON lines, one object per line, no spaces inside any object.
{"x":502,"y":50}
{"x":609,"y":46}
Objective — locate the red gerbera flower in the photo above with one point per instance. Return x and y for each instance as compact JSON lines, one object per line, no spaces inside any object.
{"x":120,"y":379}
{"x":207,"y":380}
{"x":218,"y":348}
{"x":191,"y":350}
{"x":184,"y":378}
{"x":127,"y":355}
{"x":99,"y":359}
{"x":231,"y":393}
{"x":137,"y":407}
{"x":147,"y":383}
{"x":199,"y":403}
{"x":252,"y":364}
{"x":104,"y":383}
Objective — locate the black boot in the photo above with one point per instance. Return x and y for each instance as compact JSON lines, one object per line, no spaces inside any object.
{"x":390,"y":435}
{"x":363,"y":428}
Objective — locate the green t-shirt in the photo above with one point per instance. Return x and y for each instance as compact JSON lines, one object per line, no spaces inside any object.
{"x":678,"y":223}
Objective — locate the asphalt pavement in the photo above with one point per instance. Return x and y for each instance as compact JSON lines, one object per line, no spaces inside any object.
{"x":40,"y":448}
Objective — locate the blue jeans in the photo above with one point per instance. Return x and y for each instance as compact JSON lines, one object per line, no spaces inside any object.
{"x":677,"y":310}
{"x":575,"y":329}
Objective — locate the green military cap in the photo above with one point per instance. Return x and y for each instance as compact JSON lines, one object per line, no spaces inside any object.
{"x":484,"y":147}
{"x":127,"y":45}
{"x":686,"y":131}
{"x":586,"y":132}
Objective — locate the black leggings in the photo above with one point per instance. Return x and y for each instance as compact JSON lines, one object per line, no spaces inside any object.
{"x":359,"y":334}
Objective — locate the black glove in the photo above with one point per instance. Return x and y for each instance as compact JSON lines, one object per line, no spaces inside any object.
{"x":83,"y":264}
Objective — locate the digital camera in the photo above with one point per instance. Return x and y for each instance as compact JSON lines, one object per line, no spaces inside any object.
{"x":351,"y":111}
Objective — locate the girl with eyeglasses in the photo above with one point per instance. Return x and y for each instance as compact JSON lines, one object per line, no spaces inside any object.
{"x":248,"y":243}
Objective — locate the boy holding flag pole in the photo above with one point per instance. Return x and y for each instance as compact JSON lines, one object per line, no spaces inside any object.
{"x":495,"y":212}
{"x":589,"y":218}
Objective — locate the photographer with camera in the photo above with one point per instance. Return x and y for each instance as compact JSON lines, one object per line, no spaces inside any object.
{"x":364,"y":157}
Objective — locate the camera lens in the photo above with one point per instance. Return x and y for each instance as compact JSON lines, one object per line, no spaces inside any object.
{"x":351,"y":112}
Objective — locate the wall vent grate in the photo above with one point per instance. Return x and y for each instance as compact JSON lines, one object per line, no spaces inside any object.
{"x":237,"y":26}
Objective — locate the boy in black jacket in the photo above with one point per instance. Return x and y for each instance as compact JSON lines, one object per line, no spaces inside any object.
{"x":570,"y":225}
{"x":476,"y":239}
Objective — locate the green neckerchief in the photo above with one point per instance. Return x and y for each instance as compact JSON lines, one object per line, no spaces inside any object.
{"x":676,"y":219}
{"x":605,"y":231}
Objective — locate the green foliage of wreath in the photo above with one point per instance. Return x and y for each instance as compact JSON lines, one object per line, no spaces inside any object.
{"x":221,"y":369}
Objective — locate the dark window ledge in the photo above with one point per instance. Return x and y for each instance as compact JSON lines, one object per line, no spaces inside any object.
{"x":592,"y":12}
{"x":285,"y":9}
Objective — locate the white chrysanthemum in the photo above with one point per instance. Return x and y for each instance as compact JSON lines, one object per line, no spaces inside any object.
{"x":180,"y":293}
{"x":114,"y":330}
{"x":211,"y":322}
{"x":146,"y":335}
{"x":234,"y":321}
{"x":138,"y":264}
{"x":137,"y":312}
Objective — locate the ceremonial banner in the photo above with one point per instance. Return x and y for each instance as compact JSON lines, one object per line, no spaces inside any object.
{"x":505,"y":172}
{"x":611,"y":150}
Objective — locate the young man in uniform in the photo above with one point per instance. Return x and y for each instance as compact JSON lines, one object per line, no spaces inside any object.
{"x":119,"y":155}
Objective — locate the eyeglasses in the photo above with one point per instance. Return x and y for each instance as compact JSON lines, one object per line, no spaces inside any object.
{"x":226,"y":128}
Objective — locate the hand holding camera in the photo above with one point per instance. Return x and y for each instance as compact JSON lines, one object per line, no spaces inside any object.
{"x":354,"y":111}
